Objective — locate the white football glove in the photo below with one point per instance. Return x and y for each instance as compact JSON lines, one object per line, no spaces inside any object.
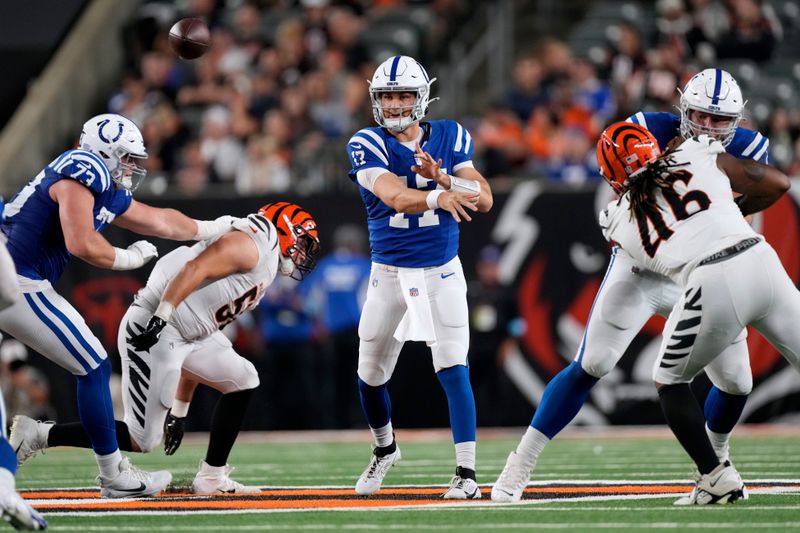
{"x":136,"y":255}
{"x":208,"y":229}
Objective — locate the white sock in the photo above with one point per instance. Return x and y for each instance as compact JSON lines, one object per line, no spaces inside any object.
{"x":109,"y":464}
{"x":180,"y":408}
{"x":531,"y":445}
{"x":211,"y":471}
{"x":383,"y":436}
{"x":465,"y":454}
{"x":719,"y":441}
{"x":7,"y":480}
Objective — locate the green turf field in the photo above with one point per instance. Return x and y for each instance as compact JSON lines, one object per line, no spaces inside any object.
{"x":428,"y":461}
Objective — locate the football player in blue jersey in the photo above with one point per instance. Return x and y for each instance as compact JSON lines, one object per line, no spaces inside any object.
{"x":58,"y":214}
{"x":711,"y":103}
{"x":13,"y":508}
{"x":417,"y":182}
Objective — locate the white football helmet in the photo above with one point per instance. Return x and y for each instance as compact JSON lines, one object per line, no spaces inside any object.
{"x":715,"y":92}
{"x":401,"y":74}
{"x":119,"y":142}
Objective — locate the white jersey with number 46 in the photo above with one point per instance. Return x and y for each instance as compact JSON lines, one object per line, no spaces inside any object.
{"x":689,"y":222}
{"x":215,"y":304}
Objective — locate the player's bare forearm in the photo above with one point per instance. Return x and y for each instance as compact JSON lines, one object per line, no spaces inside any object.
{"x":186,"y":388}
{"x":233,"y":253}
{"x":760,"y":185}
{"x":157,"y":222}
{"x":411,"y":201}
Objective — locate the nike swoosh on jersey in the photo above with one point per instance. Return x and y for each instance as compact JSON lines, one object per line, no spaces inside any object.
{"x":355,"y":145}
{"x":445,"y":276}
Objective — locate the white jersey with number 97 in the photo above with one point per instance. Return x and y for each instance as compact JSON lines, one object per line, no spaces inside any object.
{"x":689,"y":222}
{"x":214,"y":305}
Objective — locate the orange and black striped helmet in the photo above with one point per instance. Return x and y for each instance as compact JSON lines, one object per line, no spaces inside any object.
{"x":297,"y":234}
{"x":624,"y":149}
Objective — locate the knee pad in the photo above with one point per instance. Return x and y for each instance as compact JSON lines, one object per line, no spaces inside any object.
{"x":448,"y":353}
{"x":244,"y":378}
{"x":251,"y":380}
{"x":452,"y":343}
{"x":369,"y":326}
{"x":599,"y":362}
{"x":372,"y":371}
{"x":739,"y":383}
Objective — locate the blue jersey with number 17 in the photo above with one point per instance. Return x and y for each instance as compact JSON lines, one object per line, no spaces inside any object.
{"x":399,"y":239}
{"x":32,"y":223}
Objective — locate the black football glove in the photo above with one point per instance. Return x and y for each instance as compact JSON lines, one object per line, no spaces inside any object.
{"x":173,"y":433}
{"x":142,"y":342}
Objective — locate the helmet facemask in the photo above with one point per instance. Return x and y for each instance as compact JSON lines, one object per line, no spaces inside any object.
{"x":714,"y":92}
{"x":690,"y":128}
{"x":400,"y":74}
{"x":418,"y":109}
{"x":303,"y":253}
{"x":128,"y":174}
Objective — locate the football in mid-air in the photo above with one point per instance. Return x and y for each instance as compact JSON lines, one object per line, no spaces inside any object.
{"x":189,"y":38}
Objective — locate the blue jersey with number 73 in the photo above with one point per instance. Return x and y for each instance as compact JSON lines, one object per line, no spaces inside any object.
{"x":399,"y":239}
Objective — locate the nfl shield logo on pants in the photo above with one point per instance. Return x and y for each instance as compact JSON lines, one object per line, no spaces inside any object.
{"x":413,"y":292}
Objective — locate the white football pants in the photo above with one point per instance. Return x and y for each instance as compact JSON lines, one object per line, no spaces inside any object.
{"x":628,"y":296}
{"x":44,"y":321}
{"x":385,"y":306}
{"x":150,"y":379}
{"x":750,"y":288}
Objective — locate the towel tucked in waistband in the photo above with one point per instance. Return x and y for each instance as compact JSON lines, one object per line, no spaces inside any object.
{"x":417,"y":322}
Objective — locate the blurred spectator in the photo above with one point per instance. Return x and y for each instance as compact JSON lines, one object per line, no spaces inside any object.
{"x":752,"y":34}
{"x":780,"y":137}
{"x":266,"y":167}
{"x":220,"y":150}
{"x":590,"y":92}
{"x":288,"y":367}
{"x":193,"y":177}
{"x":335,"y":292}
{"x":673,"y":26}
{"x":710,"y":20}
{"x":25,"y":388}
{"x":494,"y":323}
{"x":627,"y":65}
{"x":499,"y":136}
{"x":571,"y":159}
{"x":526,"y":91}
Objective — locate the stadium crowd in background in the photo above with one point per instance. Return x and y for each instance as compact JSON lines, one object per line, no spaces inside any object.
{"x":266,"y":109}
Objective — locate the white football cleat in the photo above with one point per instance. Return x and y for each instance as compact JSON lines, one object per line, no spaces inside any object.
{"x":720,"y":486}
{"x":462,"y":488}
{"x":28,"y":437}
{"x":512,"y":481}
{"x":216,"y":480}
{"x":131,"y":482}
{"x":14,"y":509}
{"x":372,"y":477}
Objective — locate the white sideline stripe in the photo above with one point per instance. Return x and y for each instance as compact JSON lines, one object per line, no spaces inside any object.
{"x":460,"y":506}
{"x":445,"y":527}
{"x":407,"y":486}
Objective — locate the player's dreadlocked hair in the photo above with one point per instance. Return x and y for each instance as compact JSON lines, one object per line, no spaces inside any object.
{"x":631,"y":161}
{"x":642,"y":186}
